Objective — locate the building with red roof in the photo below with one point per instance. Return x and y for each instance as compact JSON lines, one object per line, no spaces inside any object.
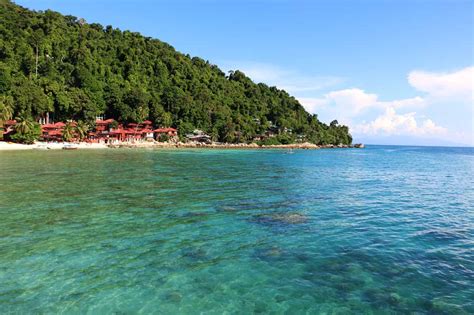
{"x":104,"y":131}
{"x":172,"y":132}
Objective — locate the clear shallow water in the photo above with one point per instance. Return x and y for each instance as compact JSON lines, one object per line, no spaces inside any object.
{"x":381,"y":230}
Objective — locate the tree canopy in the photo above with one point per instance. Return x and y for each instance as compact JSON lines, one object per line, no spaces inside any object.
{"x":75,"y":70}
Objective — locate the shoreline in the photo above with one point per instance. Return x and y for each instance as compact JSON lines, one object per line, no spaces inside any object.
{"x":10,"y":146}
{"x":39,"y":145}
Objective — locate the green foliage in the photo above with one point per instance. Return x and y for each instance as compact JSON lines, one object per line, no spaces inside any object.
{"x":114,"y":124}
{"x":81,"y":129}
{"x":6,"y":108}
{"x":26,"y":131}
{"x":269,"y":141}
{"x":68,"y":132}
{"x":75,"y":70}
{"x":163,"y":138}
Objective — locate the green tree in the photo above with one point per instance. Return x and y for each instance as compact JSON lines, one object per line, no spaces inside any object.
{"x":6,"y":112}
{"x":68,"y":132}
{"x":26,"y":130}
{"x":50,"y":63}
{"x":82,"y":129}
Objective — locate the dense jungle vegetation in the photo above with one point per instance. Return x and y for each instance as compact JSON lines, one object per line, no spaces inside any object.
{"x":62,"y":65}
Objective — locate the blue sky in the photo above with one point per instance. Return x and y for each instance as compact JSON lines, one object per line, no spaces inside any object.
{"x":398,"y":72}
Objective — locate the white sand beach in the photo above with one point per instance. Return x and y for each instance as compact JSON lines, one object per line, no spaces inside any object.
{"x":8,"y":146}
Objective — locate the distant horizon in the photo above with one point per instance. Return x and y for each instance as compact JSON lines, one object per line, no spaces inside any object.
{"x":420,"y":145}
{"x":410,"y":79}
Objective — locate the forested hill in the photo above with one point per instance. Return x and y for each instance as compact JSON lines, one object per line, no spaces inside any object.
{"x":79,"y":70}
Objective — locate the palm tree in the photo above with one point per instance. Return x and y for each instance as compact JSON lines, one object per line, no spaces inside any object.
{"x":24,"y":125}
{"x":82,"y":128}
{"x":6,"y":113}
{"x":68,"y":132}
{"x":26,"y":130}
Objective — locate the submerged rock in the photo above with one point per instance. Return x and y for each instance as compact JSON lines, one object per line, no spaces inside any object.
{"x":442,"y":307}
{"x":269,"y":253}
{"x":291,"y":218}
{"x":195,"y":253}
{"x":394,"y":298}
{"x":288,"y":218}
{"x":174,"y":296}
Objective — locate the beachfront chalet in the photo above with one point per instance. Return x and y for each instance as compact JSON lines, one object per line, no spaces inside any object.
{"x":105,"y":131}
{"x":103,"y":125}
{"x":52,"y":132}
{"x":199,"y":136}
{"x":170,"y":132}
{"x":101,"y":132}
{"x":301,"y":138}
{"x":122,"y":134}
{"x":167,"y":134}
{"x":147,"y":124}
{"x":147,"y":134}
{"x":8,"y":129}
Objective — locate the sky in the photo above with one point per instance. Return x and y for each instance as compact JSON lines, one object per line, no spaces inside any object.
{"x":395,"y":72}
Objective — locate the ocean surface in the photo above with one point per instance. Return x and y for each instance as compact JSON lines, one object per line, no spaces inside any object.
{"x":382,"y":230}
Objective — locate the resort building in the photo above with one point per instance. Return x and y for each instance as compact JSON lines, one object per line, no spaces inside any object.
{"x":199,"y":136}
{"x":7,"y":129}
{"x":107,"y":131}
{"x":52,"y":132}
{"x":171,"y":132}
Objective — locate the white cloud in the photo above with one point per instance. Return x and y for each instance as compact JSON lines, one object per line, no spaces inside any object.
{"x":401,"y":117}
{"x":368,"y":115}
{"x":289,"y":80}
{"x":354,"y":101}
{"x":391,"y":123}
{"x":458,"y":85}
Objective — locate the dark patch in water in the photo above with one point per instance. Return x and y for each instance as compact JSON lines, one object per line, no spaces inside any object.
{"x":443,"y":235}
{"x":269,"y":253}
{"x":173,"y":296}
{"x":195,"y":254}
{"x":280,"y":219}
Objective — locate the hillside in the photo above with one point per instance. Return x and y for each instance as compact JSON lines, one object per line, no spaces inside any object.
{"x":75,"y":70}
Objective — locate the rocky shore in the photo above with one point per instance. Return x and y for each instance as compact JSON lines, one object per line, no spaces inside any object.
{"x":7,"y":146}
{"x":215,"y":145}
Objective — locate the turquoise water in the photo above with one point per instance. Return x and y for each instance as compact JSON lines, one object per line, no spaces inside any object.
{"x":376,"y":231}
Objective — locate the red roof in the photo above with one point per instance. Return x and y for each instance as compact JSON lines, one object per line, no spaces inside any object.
{"x":10,"y":122}
{"x":53,"y":133}
{"x":59,"y":125}
{"x":161,"y":130}
{"x":146,"y":131}
{"x":117,"y":131}
{"x":104,"y":122}
{"x":132,"y":131}
{"x":48,"y":126}
{"x":147,"y":122}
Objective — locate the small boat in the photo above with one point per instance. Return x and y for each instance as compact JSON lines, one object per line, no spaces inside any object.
{"x":290,"y":151}
{"x":70,"y":146}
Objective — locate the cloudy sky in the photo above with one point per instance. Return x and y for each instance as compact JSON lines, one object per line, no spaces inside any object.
{"x":396,"y":72}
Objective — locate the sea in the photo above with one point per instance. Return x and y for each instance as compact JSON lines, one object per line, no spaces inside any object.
{"x":380,"y":230}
